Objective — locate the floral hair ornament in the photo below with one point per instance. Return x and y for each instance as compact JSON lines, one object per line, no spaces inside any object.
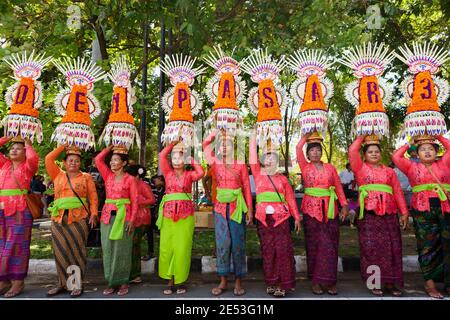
{"x":370,"y":92}
{"x":24,"y":97}
{"x":269,"y":98}
{"x":120,"y":130}
{"x":424,"y":91}
{"x":180,"y":102}
{"x":226,"y":90}
{"x":76,"y":104}
{"x":312,"y":90}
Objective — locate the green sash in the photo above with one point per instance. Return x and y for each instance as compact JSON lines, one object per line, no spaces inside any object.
{"x":65,"y":203}
{"x":322,"y":192}
{"x":364,"y":193}
{"x":433,"y":187}
{"x":12,"y":192}
{"x":169,"y":197}
{"x":269,"y":197}
{"x":230,"y":195}
{"x":119,"y":222}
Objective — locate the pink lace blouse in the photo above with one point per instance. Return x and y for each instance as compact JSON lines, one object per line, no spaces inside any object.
{"x":145,"y":200}
{"x":418,"y":174}
{"x":23,"y":173}
{"x":263,"y":184}
{"x":380,"y":202}
{"x":317,"y":207}
{"x":117,"y":189}
{"x":228,"y":176}
{"x":178,"y":209}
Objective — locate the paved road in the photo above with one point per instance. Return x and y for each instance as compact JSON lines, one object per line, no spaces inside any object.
{"x":350,"y":286}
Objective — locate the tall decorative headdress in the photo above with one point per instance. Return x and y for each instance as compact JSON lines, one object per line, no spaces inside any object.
{"x":76,"y":104}
{"x":424,"y":91}
{"x":268,"y":99}
{"x":120,"y":130}
{"x":370,"y":92}
{"x":24,"y":97}
{"x":180,"y":102}
{"x":226,"y":90}
{"x":312,"y":90}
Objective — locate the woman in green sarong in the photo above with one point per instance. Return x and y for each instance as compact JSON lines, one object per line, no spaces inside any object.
{"x":176,"y":218}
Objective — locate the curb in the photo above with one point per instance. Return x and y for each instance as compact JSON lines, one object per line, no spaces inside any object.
{"x":207,"y":264}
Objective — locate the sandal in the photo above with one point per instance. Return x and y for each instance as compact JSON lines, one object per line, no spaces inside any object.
{"x":11,"y":293}
{"x":108,"y":291}
{"x":271,"y":290}
{"x":170,"y":290}
{"x":218,"y":291}
{"x":136,"y":280}
{"x":394,"y":291}
{"x":239,"y":292}
{"x":55,"y":291}
{"x":279,"y":293}
{"x":332,"y":292}
{"x":181,"y":289}
{"x":433,"y":293}
{"x":317,"y":290}
{"x":76,"y":293}
{"x":123,"y":290}
{"x":5,"y":289}
{"x":377,"y":292}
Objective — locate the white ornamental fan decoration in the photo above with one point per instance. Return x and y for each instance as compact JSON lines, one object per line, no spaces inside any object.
{"x":24,"y":97}
{"x":226,"y":90}
{"x":369,"y":93}
{"x":180,"y":102}
{"x":268,"y":100}
{"x":312,"y":90}
{"x":120,"y":130}
{"x":424,"y":92}
{"x":77,"y":105}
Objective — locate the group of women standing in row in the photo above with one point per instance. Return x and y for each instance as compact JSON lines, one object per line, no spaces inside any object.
{"x":126,"y":209}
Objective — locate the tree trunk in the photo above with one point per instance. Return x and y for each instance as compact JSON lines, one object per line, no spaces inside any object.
{"x":143,"y":123}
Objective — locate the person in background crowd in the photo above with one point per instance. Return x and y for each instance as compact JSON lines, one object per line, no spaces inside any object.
{"x":157,"y":185}
{"x":143,"y":218}
{"x":347,"y":179}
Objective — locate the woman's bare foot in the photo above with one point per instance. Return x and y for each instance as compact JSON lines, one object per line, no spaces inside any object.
{"x":332,"y":290}
{"x":4,"y":286}
{"x":221,"y":288}
{"x":431,"y":290}
{"x":238,"y":290}
{"x":16,"y":289}
{"x":316,"y":289}
{"x":390,"y":287}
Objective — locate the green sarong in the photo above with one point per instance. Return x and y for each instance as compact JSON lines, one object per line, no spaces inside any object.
{"x":322,"y":192}
{"x":433,"y":187}
{"x":116,"y":256}
{"x":169,"y":197}
{"x":119,"y":221}
{"x":65,"y":203}
{"x":175,"y":249}
{"x":12,"y":192}
{"x":364,"y":193}
{"x":270,"y":197}
{"x":231,"y":195}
